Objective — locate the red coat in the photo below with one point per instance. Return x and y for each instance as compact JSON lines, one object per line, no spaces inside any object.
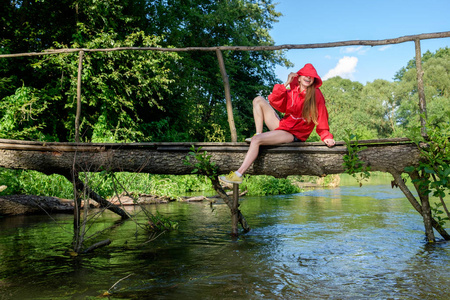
{"x":291,"y":102}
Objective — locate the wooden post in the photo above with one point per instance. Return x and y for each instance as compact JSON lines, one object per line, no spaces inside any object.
{"x":226,"y":85}
{"x":77,"y":117}
{"x":420,"y":89}
{"x":77,"y":243}
{"x":234,"y":210}
{"x":426,"y":208}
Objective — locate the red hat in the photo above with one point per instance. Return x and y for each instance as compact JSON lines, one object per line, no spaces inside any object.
{"x":309,"y":70}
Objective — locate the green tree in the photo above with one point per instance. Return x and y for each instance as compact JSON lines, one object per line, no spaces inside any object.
{"x":31,"y":26}
{"x":382,"y":109}
{"x":21,"y":113}
{"x":345,"y":108}
{"x":184,"y":102}
{"x":436,"y":80}
{"x":118,"y":89}
{"x":442,"y":52}
{"x":198,"y":102}
{"x":380,"y":103}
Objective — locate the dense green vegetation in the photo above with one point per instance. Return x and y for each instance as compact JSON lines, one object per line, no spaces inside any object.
{"x":137,"y":96}
{"x":132,"y":95}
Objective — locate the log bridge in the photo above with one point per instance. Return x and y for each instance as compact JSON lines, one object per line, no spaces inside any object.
{"x":309,"y":158}
{"x":386,"y":155}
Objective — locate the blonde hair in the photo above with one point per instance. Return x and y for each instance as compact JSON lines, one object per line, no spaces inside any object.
{"x":310,"y":106}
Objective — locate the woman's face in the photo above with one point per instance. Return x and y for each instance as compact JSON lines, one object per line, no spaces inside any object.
{"x":305,"y":81}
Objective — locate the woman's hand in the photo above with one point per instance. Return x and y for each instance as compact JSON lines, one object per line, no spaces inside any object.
{"x":291,"y":77}
{"x":329,"y":142}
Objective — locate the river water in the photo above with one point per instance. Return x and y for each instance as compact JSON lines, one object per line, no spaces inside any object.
{"x":340,"y":243}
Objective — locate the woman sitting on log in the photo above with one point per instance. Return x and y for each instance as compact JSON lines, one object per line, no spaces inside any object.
{"x":304,"y":108}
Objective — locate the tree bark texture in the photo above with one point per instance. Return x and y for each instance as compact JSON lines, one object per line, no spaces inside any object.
{"x":390,"y":155}
{"x":426,"y":208}
{"x":387,"y":155}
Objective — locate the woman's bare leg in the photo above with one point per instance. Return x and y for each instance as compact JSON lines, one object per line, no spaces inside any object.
{"x":267,"y":138}
{"x":264,"y":113}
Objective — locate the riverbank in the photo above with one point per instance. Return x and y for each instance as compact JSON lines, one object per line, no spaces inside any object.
{"x":34,"y":204}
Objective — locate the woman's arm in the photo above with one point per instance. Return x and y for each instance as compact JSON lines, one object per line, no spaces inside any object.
{"x":278,"y":98}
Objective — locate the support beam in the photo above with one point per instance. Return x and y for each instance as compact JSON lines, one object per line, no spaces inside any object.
{"x":78,"y":115}
{"x":234,"y":210}
{"x":420,"y":89}
{"x":226,"y":85}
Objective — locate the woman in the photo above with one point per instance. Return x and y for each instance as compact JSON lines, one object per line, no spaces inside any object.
{"x":304,"y":108}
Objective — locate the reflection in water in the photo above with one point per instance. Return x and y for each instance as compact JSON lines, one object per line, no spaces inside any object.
{"x":347,"y":242}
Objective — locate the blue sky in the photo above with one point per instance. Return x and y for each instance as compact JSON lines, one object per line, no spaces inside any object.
{"x":308,"y":22}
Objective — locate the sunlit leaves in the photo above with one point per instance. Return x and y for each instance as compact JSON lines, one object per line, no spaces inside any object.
{"x":353,"y":165}
{"x":433,"y":171}
{"x":199,"y":99}
{"x":21,"y":114}
{"x":119,"y":85}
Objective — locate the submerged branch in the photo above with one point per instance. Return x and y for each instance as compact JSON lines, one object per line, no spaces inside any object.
{"x":401,"y":184}
{"x":99,"y":199}
{"x":97,"y":245}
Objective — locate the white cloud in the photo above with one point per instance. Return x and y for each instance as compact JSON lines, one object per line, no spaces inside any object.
{"x":382,"y":48}
{"x":358,"y":50}
{"x":344,"y":68}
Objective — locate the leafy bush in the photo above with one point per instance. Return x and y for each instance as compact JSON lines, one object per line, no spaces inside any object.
{"x":264,"y":185}
{"x":22,"y":182}
{"x":20,"y":114}
{"x":35,"y":183}
{"x":434,"y":167}
{"x":353,"y":165}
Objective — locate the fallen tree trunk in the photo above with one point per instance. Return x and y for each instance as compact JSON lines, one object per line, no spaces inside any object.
{"x":27,"y":204}
{"x":167,"y":158}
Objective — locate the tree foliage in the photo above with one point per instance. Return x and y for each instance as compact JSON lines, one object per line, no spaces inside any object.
{"x":139,"y":96}
{"x":382,"y":109}
{"x":199,"y":92}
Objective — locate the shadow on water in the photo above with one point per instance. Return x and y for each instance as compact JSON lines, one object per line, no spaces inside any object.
{"x":340,"y":243}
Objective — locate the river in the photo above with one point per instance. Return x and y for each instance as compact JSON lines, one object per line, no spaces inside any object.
{"x":348,"y":242}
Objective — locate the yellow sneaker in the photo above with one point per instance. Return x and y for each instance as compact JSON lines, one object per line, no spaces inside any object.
{"x":249,"y":140}
{"x":231,"y":178}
